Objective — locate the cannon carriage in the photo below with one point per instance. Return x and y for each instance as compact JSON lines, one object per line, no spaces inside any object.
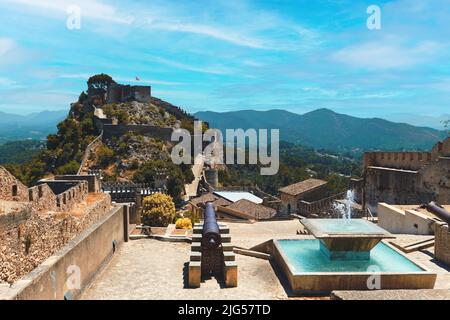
{"x":211,"y":252}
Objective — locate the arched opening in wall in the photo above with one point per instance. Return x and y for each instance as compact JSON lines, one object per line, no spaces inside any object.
{"x":14,"y":190}
{"x":64,"y":198}
{"x":289,"y":208}
{"x":30,"y":195}
{"x":40,"y":192}
{"x":58,"y":202}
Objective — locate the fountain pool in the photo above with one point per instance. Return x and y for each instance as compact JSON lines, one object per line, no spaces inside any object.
{"x":306,"y":256}
{"x":347,"y":254}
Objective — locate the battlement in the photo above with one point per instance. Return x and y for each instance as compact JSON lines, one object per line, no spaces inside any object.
{"x":407,"y":160}
{"x":398,"y":160}
{"x":123,"y":93}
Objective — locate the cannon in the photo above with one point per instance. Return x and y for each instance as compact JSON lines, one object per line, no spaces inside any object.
{"x":211,"y":233}
{"x":212,"y":253}
{"x":437,"y":210}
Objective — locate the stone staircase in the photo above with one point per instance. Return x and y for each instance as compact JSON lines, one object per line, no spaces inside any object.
{"x":88,"y":154}
{"x":197,"y":170}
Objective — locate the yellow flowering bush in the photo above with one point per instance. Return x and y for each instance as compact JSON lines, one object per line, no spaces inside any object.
{"x":183,"y":223}
{"x":158,"y":210}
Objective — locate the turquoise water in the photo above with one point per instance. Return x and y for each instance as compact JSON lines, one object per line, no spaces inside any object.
{"x":336,"y":226}
{"x":305,"y":256}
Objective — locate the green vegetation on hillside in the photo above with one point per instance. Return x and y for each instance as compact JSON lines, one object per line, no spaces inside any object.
{"x":16,"y":152}
{"x":324,"y":128}
{"x":177,"y":176}
{"x":297,"y":163}
{"x":64,"y":150}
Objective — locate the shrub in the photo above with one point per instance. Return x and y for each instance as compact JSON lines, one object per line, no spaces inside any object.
{"x":183,"y":223}
{"x":105,"y":155}
{"x":191,"y":216}
{"x":69,"y":168}
{"x":158,"y":210}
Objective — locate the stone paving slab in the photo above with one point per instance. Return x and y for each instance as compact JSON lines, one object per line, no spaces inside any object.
{"x":151,"y":269}
{"x":424,"y":294}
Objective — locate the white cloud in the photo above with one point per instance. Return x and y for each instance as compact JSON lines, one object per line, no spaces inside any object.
{"x":142,"y":80}
{"x":379,"y":55}
{"x":94,"y":9}
{"x":6,"y":82}
{"x":6,"y":45}
{"x":210,"y":31}
{"x":147,"y":81}
{"x":218,"y":70}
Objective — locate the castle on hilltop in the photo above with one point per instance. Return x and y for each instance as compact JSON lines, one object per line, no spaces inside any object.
{"x":116,"y":93}
{"x":407,"y":177}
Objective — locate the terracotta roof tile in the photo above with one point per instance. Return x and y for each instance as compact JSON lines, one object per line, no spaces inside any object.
{"x":302,"y":186}
{"x":258,"y":211}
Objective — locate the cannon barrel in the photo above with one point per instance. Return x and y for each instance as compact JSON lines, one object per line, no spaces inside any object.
{"x":211,"y":233}
{"x":437,"y":210}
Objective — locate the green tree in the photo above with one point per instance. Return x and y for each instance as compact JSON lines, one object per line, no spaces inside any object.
{"x":105,"y":155}
{"x":100,"y":81}
{"x":69,"y":168}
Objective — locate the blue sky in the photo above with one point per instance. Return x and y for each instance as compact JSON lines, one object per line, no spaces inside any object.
{"x":226,"y":55}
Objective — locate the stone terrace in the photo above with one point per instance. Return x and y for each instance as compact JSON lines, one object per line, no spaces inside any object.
{"x":151,"y":269}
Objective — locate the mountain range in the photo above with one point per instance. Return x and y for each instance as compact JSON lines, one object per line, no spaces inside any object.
{"x":324,"y":128}
{"x":32,"y":126}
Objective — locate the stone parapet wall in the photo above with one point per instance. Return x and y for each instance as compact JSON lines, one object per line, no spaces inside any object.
{"x":25,"y":244}
{"x":68,"y":199}
{"x":321,"y":208}
{"x":94,"y":183}
{"x":11,"y":189}
{"x":12,"y":214}
{"x":442,"y":243}
{"x":87,"y":253}
{"x":400,"y":160}
{"x":42,"y":198}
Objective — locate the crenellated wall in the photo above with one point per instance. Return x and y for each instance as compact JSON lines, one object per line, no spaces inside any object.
{"x":399,"y":160}
{"x":42,"y":198}
{"x":28,"y":237}
{"x":11,"y":189}
{"x":407,"y":177}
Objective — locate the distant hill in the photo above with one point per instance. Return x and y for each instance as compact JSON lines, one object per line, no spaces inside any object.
{"x":32,"y":126}
{"x":324,"y":128}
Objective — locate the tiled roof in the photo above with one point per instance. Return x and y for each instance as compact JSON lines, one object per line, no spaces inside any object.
{"x":209,"y":197}
{"x":204,"y":198}
{"x":303,"y":186}
{"x":248,"y":207}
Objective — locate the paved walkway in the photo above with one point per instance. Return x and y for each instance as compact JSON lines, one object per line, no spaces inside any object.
{"x":151,"y":269}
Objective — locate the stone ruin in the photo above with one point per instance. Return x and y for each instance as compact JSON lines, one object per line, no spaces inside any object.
{"x":36,"y":222}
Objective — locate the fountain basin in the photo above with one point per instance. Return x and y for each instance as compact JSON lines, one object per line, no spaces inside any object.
{"x":309,"y":271}
{"x":346,"y":238}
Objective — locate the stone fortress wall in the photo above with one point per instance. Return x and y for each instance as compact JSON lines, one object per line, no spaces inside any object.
{"x":123,"y":93}
{"x":35,"y":222}
{"x":407,"y":177}
{"x":400,"y":160}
